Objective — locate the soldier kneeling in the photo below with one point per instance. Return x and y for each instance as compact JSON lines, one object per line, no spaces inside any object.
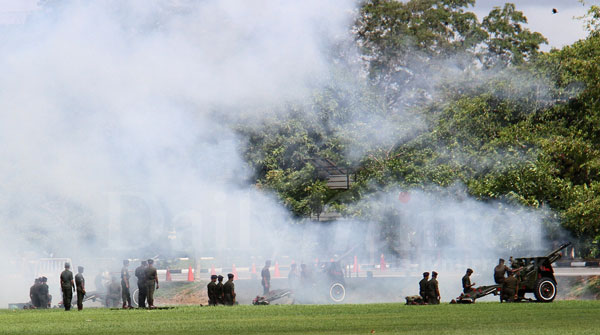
{"x":510,"y":288}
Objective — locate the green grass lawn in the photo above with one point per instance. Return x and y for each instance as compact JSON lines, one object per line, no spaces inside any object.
{"x":561,"y":317}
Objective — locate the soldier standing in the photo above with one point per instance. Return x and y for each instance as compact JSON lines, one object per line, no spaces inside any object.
{"x":433,"y":292}
{"x":423,"y":287}
{"x":293,"y":276}
{"x":140,"y":273}
{"x":229,"y":291}
{"x":510,"y":288}
{"x":211,"y":289}
{"x":80,"y":284}
{"x":219,"y":291}
{"x":67,"y":286}
{"x":44,"y":297}
{"x":466,"y":282}
{"x":499,"y":271}
{"x":266,"y":277}
{"x":33,"y":293}
{"x":126,"y":294}
{"x":151,"y":282}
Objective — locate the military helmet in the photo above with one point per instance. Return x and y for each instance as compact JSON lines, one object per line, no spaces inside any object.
{"x":230,"y":275}
{"x":213,"y":277}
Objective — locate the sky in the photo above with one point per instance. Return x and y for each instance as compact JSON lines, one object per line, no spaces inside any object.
{"x":560,"y":29}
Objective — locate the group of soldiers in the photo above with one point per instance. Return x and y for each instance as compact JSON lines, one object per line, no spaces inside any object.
{"x":510,"y":284}
{"x":503,"y":275}
{"x":219,"y":293}
{"x":429,"y":288}
{"x":39,"y":293}
{"x":147,"y":281}
{"x":67,"y":286}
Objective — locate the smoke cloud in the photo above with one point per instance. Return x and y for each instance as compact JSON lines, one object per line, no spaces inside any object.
{"x":116,"y":142}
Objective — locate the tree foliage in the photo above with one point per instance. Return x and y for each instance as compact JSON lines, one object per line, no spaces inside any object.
{"x":512,"y":123}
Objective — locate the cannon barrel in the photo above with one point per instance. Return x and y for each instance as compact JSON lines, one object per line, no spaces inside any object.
{"x":555,"y":255}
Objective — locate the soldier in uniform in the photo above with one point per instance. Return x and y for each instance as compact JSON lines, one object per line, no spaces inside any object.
{"x":219,"y":291}
{"x":126,"y":294}
{"x":80,"y":284}
{"x":423,"y":287}
{"x":113,"y":296}
{"x":33,"y":293}
{"x":44,"y":296}
{"x":293,"y":276}
{"x":433,"y":292}
{"x":140,"y":273}
{"x":266,"y":277}
{"x":499,"y":271}
{"x":229,"y":291}
{"x":510,"y":288}
{"x":466,"y":282}
{"x":151,"y":282}
{"x":211,"y":289}
{"x":67,"y":286}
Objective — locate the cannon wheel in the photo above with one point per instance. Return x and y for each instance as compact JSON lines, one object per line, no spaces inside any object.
{"x":545,"y":290}
{"x":337,"y":292}
{"x":135,"y":297}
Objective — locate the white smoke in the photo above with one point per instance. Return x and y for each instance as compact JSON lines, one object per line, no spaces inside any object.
{"x":116,"y":133}
{"x":113,"y":122}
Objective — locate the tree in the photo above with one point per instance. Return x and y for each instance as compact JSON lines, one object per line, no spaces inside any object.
{"x":508,"y":43}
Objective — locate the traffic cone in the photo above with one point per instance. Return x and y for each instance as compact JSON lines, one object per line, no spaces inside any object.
{"x":277,"y":274}
{"x":382,"y":263}
{"x":168,"y":275}
{"x":253,"y":269}
{"x":234,"y":271}
{"x":355,"y":265}
{"x":212,"y":270}
{"x":190,"y":274}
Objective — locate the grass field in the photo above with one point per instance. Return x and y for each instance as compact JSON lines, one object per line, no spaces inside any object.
{"x":561,"y":317}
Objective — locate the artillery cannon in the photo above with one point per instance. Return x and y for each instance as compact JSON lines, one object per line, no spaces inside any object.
{"x":534,"y":274}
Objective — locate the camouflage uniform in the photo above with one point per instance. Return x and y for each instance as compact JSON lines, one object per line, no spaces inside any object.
{"x":433,"y":291}
{"x":80,"y":284}
{"x":509,"y":288}
{"x":140,"y":273}
{"x":211,"y":289}
{"x":33,"y":293}
{"x":126,"y":294}
{"x":466,"y":283}
{"x":499,"y":272}
{"x":43,"y":294}
{"x":423,"y":289}
{"x":229,"y":292}
{"x":66,"y":284}
{"x":151,"y":281}
{"x":219,"y":291}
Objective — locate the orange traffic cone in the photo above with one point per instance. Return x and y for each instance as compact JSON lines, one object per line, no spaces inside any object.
{"x":253,"y":269}
{"x":277,"y":274}
{"x":355,"y":265}
{"x":190,"y":274}
{"x":212,"y":270}
{"x":382,"y":263}
{"x":234,"y":271}
{"x":168,"y":275}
